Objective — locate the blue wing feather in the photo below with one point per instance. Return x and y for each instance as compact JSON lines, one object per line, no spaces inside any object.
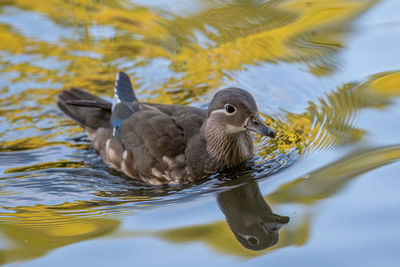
{"x":122,"y":101}
{"x":123,"y":89}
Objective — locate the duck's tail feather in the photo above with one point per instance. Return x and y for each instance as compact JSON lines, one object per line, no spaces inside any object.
{"x":90,"y":103}
{"x":86,"y":109}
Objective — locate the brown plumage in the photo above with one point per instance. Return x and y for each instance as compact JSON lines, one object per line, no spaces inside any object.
{"x":161,"y":144}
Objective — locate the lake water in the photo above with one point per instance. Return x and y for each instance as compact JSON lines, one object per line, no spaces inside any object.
{"x":326,"y":77}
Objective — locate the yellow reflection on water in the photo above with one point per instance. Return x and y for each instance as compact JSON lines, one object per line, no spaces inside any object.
{"x":60,"y":228}
{"x":387,"y":84}
{"x":46,"y":165}
{"x":330,"y":122}
{"x":316,"y":186}
{"x":305,"y":31}
{"x":287,"y":31}
{"x":326,"y":181}
{"x":32,"y":232}
{"x":233,"y":36}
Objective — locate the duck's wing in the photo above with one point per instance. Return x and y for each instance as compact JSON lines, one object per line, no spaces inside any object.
{"x":151,"y":146}
{"x":189,"y":119}
{"x":178,"y":110}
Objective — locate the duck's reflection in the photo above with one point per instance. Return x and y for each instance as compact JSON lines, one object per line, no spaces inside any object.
{"x":250,"y":218}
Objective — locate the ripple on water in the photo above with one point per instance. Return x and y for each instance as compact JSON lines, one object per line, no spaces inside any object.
{"x":55,"y":191}
{"x":330,"y":122}
{"x":84,"y":181}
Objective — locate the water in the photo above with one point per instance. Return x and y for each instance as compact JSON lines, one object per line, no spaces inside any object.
{"x":325,"y":75}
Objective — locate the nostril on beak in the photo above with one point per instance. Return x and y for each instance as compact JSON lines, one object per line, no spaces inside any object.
{"x":255,"y":121}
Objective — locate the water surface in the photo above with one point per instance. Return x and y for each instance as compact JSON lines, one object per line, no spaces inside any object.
{"x":326,"y":77}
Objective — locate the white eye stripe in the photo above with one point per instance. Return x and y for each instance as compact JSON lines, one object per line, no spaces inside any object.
{"x":223,"y":111}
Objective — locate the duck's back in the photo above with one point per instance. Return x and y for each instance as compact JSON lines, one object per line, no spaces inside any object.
{"x":189,"y":119}
{"x":155,"y":143}
{"x":149,"y":145}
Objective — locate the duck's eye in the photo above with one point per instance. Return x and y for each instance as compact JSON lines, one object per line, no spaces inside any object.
{"x":230,"y":108}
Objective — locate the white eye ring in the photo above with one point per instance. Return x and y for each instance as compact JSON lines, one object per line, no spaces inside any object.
{"x":229,"y":109}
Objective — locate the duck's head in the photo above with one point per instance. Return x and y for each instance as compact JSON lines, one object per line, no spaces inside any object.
{"x":234,"y":110}
{"x":231,"y":115}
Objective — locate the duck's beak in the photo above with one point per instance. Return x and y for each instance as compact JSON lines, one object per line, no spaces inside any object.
{"x":255,"y":124}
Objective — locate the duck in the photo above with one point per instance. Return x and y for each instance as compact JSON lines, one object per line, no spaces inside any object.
{"x":161,"y":144}
{"x":249,"y":216}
